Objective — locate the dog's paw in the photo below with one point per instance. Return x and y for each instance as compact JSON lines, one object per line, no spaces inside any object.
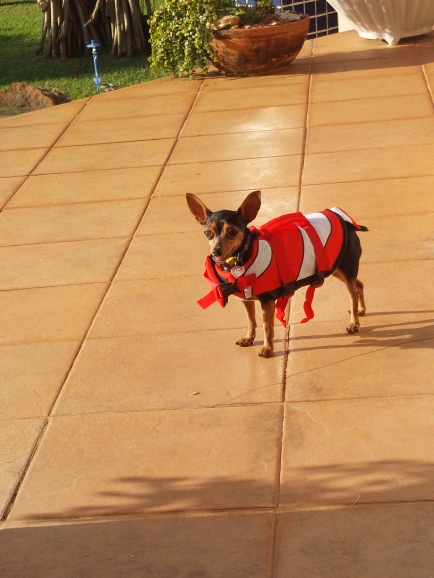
{"x":245,"y":342}
{"x":353,"y":328}
{"x":266,"y":352}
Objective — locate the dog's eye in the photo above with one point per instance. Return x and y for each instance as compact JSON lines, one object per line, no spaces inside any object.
{"x":232,"y":233}
{"x":208,"y":234}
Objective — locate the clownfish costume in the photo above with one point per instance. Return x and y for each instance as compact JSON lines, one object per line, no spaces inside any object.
{"x":286,"y":253}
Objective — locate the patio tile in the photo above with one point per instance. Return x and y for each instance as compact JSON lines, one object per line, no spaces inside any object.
{"x":131,"y":374}
{"x":135,"y":308}
{"x":117,"y":108}
{"x":370,"y":110}
{"x":372,"y":199}
{"x":430,"y":78}
{"x":51,"y":115}
{"x":167,"y":85}
{"x":325,"y":90}
{"x":217,"y":177}
{"x":105,"y":156}
{"x":45,"y":224}
{"x":389,"y":541}
{"x":17,"y":438}
{"x":247,"y":145}
{"x":31,"y":376}
{"x":389,"y":288}
{"x":161,"y":210}
{"x":48,"y":314}
{"x":60,"y":263}
{"x":367,"y":165}
{"x":375,"y":451}
{"x":258,"y":97}
{"x":294,"y":74}
{"x":163,"y":256}
{"x":19,"y":163}
{"x":155,"y":462}
{"x":8,"y":187}
{"x":386,"y":241}
{"x":370,"y":135}
{"x":220,"y":545}
{"x":252,"y":119}
{"x":392,"y":356}
{"x":30,"y":137}
{"x":84,"y":187}
{"x":122,"y":130}
{"x":350,"y":40}
{"x":405,"y":62}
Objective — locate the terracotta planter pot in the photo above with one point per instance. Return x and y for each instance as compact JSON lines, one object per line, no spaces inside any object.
{"x":258,"y":50}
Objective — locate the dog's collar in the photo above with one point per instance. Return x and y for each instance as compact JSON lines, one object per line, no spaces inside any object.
{"x":238,"y":259}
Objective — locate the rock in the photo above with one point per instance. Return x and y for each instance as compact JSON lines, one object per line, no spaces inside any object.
{"x":224,"y":23}
{"x":289,"y":17}
{"x":21,"y":94}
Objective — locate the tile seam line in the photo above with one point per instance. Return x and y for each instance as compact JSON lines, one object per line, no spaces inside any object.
{"x":194,"y":136}
{"x":279,"y":468}
{"x":125,"y":336}
{"x":365,"y":179}
{"x":337,"y":101}
{"x":124,"y":199}
{"x":349,"y":399}
{"x":383,"y":147}
{"x":159,"y":166}
{"x":248,"y":510}
{"x":428,"y":86}
{"x":358,"y":122}
{"x":370,"y":399}
{"x":171,"y":410}
{"x":68,"y":124}
{"x":10,"y":504}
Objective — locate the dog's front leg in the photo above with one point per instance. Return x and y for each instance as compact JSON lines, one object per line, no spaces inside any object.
{"x":251,"y":325}
{"x":268,"y":309}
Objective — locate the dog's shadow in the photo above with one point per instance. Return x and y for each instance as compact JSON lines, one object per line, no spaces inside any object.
{"x":403,"y":334}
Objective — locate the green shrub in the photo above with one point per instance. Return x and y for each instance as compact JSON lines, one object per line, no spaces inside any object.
{"x":179,"y":36}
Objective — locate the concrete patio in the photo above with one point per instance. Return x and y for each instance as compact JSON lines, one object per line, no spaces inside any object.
{"x":136,"y":439}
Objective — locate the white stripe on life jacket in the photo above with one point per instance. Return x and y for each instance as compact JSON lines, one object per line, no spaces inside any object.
{"x":260,"y":264}
{"x":308,"y":264}
{"x":323,"y":227}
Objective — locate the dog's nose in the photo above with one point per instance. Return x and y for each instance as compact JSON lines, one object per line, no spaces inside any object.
{"x":217,"y":252}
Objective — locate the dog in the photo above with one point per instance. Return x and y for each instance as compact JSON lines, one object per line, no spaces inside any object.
{"x":270,"y":263}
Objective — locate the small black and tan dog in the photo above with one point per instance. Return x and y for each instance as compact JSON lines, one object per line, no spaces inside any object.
{"x":270,"y":263}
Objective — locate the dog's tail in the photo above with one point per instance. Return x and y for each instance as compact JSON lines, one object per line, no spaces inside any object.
{"x":346,"y":217}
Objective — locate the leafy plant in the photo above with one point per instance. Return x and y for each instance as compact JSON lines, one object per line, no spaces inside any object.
{"x":249,"y":15}
{"x":179,"y":36}
{"x":265,"y":6}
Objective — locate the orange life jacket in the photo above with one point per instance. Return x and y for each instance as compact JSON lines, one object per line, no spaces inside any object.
{"x":288,"y":252}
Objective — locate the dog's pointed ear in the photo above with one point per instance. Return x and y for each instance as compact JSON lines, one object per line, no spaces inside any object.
{"x":250,"y":206}
{"x":199,"y":210}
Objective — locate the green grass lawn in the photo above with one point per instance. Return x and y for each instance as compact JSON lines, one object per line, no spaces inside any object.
{"x":20,"y":33}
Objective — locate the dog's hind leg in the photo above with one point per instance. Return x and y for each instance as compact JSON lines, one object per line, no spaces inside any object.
{"x":251,"y":325}
{"x":355,"y":289}
{"x":361,"y":297}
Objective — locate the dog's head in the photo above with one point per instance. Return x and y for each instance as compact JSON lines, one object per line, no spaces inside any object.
{"x":225,"y":230}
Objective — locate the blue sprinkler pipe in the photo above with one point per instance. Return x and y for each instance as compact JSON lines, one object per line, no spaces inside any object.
{"x":93,"y":45}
